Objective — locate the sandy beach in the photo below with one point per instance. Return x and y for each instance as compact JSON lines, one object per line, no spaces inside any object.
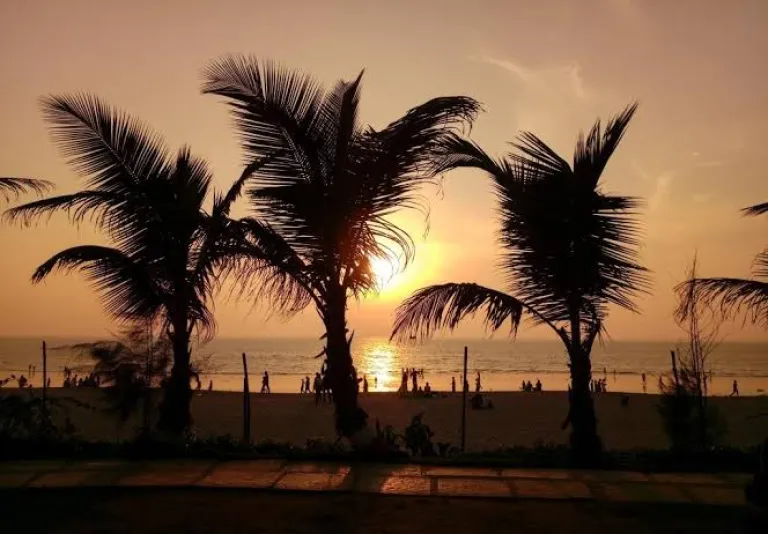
{"x":518,"y":418}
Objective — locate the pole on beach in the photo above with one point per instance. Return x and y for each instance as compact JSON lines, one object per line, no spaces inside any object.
{"x":45,"y":384}
{"x":246,"y":404}
{"x":464,"y":404}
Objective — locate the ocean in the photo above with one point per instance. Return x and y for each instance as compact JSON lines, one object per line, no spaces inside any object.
{"x":503,"y":364}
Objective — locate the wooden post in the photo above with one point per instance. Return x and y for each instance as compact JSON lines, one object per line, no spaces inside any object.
{"x":246,"y":404}
{"x":45,"y":384}
{"x":464,"y":405}
{"x":674,"y":371}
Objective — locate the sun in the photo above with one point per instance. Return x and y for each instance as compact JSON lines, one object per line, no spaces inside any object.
{"x":385,"y":270}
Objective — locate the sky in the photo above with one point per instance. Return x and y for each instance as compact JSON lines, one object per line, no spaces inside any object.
{"x":693,"y":150}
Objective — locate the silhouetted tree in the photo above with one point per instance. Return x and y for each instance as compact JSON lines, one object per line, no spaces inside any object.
{"x":324,"y":199}
{"x":735,"y":295}
{"x":166,"y":249}
{"x":570,"y":250}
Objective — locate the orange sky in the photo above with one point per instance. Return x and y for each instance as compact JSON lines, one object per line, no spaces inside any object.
{"x":693,"y":151}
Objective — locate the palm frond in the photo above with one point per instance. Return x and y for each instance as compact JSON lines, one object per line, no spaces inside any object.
{"x":269,"y":268}
{"x":446,"y":305}
{"x":757,"y":209}
{"x":276,"y":110}
{"x":593,"y":152}
{"x":11,"y":188}
{"x":90,"y":205}
{"x":113,"y":151}
{"x":733,"y":297}
{"x":128,"y":290}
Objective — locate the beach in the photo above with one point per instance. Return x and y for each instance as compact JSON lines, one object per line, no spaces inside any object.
{"x":518,"y":418}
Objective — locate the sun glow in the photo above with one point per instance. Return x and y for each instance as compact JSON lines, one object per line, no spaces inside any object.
{"x":386,"y":272}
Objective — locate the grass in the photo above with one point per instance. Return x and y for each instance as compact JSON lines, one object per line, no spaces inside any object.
{"x":85,"y":511}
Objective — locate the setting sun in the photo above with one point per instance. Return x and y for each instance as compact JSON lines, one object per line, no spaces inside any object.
{"x":386,"y":272}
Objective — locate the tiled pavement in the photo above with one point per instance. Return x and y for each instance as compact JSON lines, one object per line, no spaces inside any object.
{"x":278,"y":475}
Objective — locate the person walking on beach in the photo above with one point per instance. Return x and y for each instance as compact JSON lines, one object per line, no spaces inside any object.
{"x":415,"y":380}
{"x":365,"y":384}
{"x":645,"y":383}
{"x":265,"y":383}
{"x":375,"y":381}
{"x":735,"y":390}
{"x":453,"y":384}
{"x":477,"y":383}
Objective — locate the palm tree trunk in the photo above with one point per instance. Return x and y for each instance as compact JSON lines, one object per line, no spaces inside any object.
{"x":175,"y":416}
{"x":350,"y":418}
{"x":586,"y":447}
{"x":585,"y":443}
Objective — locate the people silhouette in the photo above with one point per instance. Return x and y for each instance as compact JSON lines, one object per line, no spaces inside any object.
{"x":538,"y":385}
{"x":477,"y":383}
{"x":365,"y":384}
{"x":735,"y":389}
{"x":210,"y":385}
{"x":645,"y":383}
{"x":265,"y":383}
{"x":453,"y":384}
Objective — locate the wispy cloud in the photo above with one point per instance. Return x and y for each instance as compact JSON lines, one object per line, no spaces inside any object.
{"x":661,"y":183}
{"x":565,"y":78}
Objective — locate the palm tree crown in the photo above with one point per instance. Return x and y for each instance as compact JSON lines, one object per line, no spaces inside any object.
{"x":567,"y":246}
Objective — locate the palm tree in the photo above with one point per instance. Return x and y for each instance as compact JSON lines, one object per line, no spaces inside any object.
{"x":322,"y":203}
{"x":733,"y":295}
{"x":166,"y":248}
{"x":570,"y":250}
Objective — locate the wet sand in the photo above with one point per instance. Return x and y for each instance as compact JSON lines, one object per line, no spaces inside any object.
{"x":518,"y":418}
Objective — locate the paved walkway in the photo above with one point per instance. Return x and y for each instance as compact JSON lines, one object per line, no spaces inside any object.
{"x":278,"y":475}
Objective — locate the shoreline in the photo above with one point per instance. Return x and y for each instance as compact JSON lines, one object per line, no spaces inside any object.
{"x":501,"y":382}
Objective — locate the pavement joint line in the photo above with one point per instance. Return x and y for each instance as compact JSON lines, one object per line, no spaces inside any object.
{"x":280,"y":477}
{"x":206,"y":472}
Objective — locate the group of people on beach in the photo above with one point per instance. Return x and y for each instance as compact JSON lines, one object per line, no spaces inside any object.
{"x":414,"y":375}
{"x":528,"y":387}
{"x":599,"y":385}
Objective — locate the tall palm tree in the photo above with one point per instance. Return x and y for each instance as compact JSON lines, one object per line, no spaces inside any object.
{"x":13,"y":187}
{"x":322,"y":203}
{"x":166,"y":249}
{"x":569,"y":251}
{"x":733,"y":295}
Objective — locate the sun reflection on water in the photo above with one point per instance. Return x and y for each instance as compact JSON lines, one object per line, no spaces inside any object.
{"x":379,"y":360}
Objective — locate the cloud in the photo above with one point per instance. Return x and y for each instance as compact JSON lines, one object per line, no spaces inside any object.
{"x":661,"y":185}
{"x":711,"y":163}
{"x":565,"y":78}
